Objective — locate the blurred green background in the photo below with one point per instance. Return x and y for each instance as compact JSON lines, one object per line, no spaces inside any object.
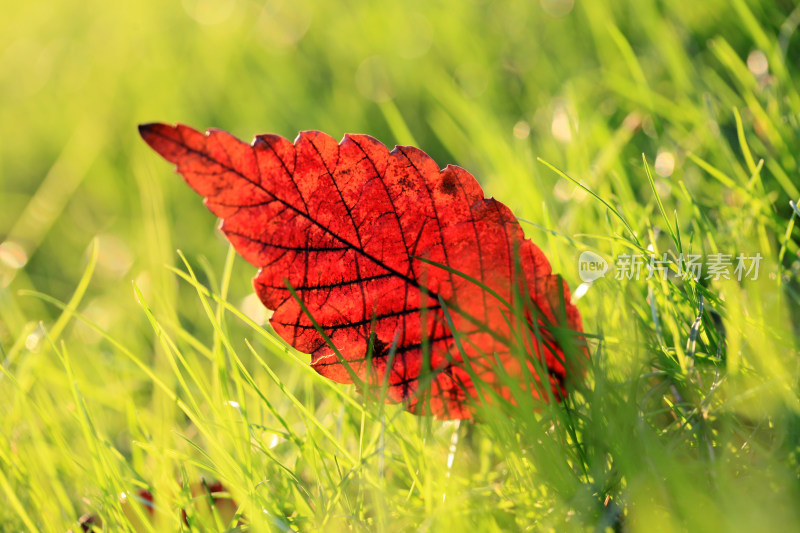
{"x":588,"y":86}
{"x":76,"y":80}
{"x":485,"y":85}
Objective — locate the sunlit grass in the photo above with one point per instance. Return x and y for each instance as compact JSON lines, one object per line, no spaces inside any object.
{"x":616,"y":127}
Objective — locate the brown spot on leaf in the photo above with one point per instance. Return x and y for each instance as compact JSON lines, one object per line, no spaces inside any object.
{"x":448,"y":185}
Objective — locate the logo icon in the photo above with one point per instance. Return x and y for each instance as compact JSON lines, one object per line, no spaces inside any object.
{"x":591,"y":266}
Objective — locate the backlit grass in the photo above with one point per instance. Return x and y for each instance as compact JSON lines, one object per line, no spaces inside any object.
{"x":625,"y":127}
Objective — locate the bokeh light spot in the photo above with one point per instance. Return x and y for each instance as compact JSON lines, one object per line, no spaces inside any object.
{"x":560,"y":127}
{"x":557,"y":8}
{"x":522,"y":130}
{"x":665,"y":164}
{"x":372,"y":80}
{"x":757,"y":63}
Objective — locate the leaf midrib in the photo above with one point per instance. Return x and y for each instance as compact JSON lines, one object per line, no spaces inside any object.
{"x":411,"y":281}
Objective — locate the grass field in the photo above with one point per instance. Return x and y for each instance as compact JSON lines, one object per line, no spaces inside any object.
{"x":625,"y":128}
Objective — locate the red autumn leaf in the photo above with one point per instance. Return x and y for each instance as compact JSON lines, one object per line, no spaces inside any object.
{"x":388,"y":256}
